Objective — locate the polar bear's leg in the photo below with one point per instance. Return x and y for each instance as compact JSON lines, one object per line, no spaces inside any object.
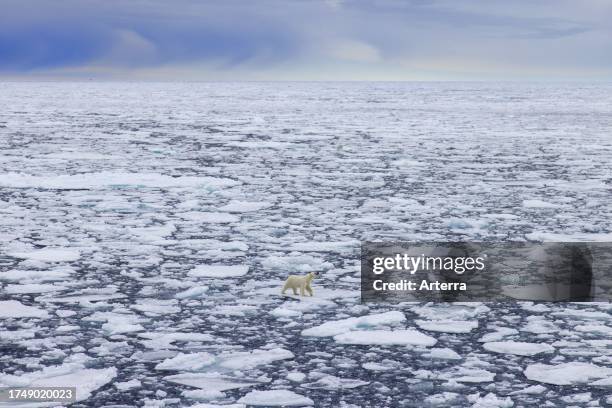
{"x":302,"y":289}
{"x":285,"y":287}
{"x":309,"y":289}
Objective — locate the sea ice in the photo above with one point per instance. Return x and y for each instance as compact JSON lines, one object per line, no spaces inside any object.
{"x":219,"y":271}
{"x":386,"y":337}
{"x":244,"y":206}
{"x":33,"y":288}
{"x":117,"y":323}
{"x":567,"y":373}
{"x":251,"y":359}
{"x":443,"y":354}
{"x":335,"y":327}
{"x":289,"y":179}
{"x":498,"y":334}
{"x":533,"y":390}
{"x":187,"y":362}
{"x":444,"y":399}
{"x":295,"y":263}
{"x":492,"y":401}
{"x":211,"y":217}
{"x":594,"y":329}
{"x":163,"y":340}
{"x":50,"y":275}
{"x":518,"y":348}
{"x":227,"y":361}
{"x":338,"y":246}
{"x":210,"y":381}
{"x":110,"y":179}
{"x":373,"y":366}
{"x":331,"y":382}
{"x":127,"y":385}
{"x":447,"y":326}
{"x":538,"y":204}
{"x":15,"y":309}
{"x":150,"y":306}
{"x":296,"y":376}
{"x":49,"y":254}
{"x":192,"y":293}
{"x":69,"y":374}
{"x":275,"y":398}
{"x":469,"y":375}
{"x":285,"y":313}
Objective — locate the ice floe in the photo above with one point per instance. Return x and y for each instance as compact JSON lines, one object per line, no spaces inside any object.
{"x":33,"y":288}
{"x":210,"y":217}
{"x":116,"y":323}
{"x":447,"y":326}
{"x":219,"y":271}
{"x":210,"y":381}
{"x":498,"y":334}
{"x":192,"y":293}
{"x":187,"y":362}
{"x":534,"y":203}
{"x":386,"y":337}
{"x":237,"y":206}
{"x":128,"y":385}
{"x":518,"y":348}
{"x":567,"y":373}
{"x":229,"y":361}
{"x":49,"y":255}
{"x":472,"y":375}
{"x":69,"y":374}
{"x":331,"y":382}
{"x":160,"y":340}
{"x":443,"y":354}
{"x":336,"y":327}
{"x":15,"y":309}
{"x":296,"y":376}
{"x":491,"y":401}
{"x":275,"y":398}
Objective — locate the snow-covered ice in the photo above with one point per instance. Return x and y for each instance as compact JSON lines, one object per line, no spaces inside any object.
{"x":492,"y":401}
{"x":331,"y":382}
{"x":68,"y":374}
{"x":518,"y":348}
{"x":443,"y":353}
{"x":15,"y":309}
{"x":210,"y":382}
{"x":567,"y":373}
{"x":237,"y":206}
{"x":49,"y":255}
{"x":275,"y":398}
{"x":447,"y":326}
{"x":219,"y":271}
{"x":230,"y":361}
{"x":336,"y":327}
{"x":386,"y":337}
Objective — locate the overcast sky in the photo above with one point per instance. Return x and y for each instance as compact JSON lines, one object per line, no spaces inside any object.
{"x":307,"y":39}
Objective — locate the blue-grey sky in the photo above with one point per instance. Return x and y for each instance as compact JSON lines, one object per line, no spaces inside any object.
{"x":307,"y":39}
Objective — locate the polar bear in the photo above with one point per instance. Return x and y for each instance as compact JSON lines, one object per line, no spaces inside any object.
{"x":302,"y":282}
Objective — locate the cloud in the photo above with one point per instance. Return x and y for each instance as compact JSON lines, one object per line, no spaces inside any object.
{"x":351,"y":50}
{"x":315,"y":39}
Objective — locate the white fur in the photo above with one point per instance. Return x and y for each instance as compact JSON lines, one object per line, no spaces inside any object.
{"x":295,"y":282}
